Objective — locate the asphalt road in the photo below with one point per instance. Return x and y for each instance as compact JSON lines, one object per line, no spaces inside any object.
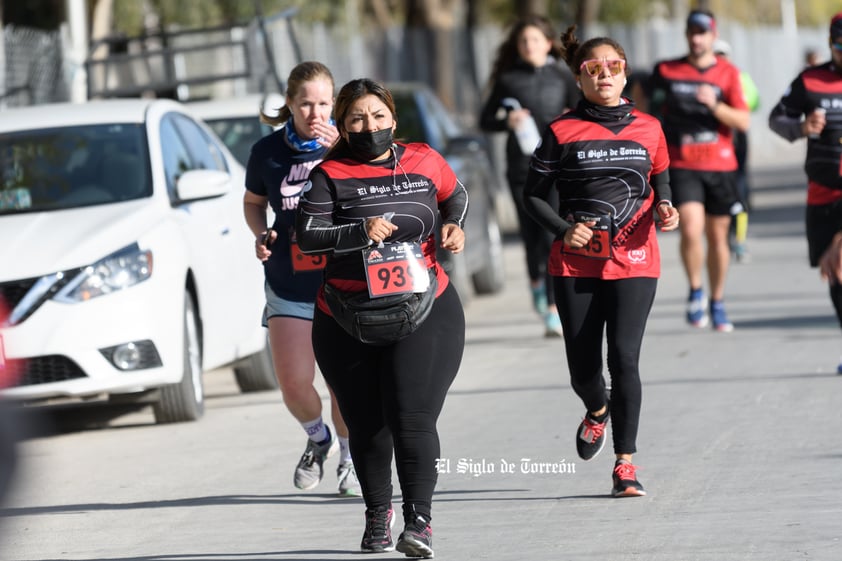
{"x":739,"y":445}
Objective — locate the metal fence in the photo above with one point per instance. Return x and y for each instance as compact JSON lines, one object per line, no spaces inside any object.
{"x":33,"y":67}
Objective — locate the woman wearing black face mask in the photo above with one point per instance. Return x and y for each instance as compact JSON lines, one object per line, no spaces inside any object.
{"x":372,"y":206}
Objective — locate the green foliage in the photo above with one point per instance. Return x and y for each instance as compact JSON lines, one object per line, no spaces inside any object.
{"x":816,"y":12}
{"x":808,"y":13}
{"x":626,"y":11}
{"x":129,"y":16}
{"x":496,"y":11}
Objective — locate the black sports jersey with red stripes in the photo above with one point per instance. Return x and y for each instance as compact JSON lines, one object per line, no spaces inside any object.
{"x":696,"y":139}
{"x":815,"y":87}
{"x":411,"y":184}
{"x":600,"y":160}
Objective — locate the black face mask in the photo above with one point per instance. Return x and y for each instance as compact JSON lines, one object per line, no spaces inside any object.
{"x":370,"y":145}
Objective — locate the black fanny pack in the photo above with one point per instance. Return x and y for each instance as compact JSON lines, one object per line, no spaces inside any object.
{"x":384,"y":320}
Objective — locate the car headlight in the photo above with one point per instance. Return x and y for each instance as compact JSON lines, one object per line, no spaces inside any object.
{"x":122,"y":269}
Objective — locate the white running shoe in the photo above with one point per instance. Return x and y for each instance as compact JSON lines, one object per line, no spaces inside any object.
{"x":349,"y":485}
{"x":310,"y":469}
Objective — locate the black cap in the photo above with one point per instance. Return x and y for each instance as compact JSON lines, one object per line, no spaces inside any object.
{"x":836,"y":26}
{"x":701,"y":19}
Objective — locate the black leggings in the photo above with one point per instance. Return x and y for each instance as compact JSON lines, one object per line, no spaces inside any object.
{"x":537,"y":241}
{"x":391,"y":397}
{"x":836,"y":298}
{"x":822,"y":223}
{"x":588,"y":306}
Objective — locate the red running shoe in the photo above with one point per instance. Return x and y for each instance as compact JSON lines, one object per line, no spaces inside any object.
{"x":625,"y":480}
{"x":590,"y":436}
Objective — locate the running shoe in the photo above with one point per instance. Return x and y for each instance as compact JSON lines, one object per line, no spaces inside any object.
{"x":539,"y":299}
{"x":590,"y":436}
{"x":416,"y":540}
{"x":377,"y":537}
{"x":697,"y":304}
{"x":839,"y":367}
{"x":625,"y":480}
{"x":719,"y":317}
{"x":552,"y":325}
{"x":310,"y":469}
{"x":741,"y":253}
{"x":349,"y":485}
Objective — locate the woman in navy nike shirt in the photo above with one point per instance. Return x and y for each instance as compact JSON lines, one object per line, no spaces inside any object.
{"x":607,"y":163}
{"x":277,"y":170}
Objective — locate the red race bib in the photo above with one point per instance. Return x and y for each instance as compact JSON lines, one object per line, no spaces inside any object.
{"x":395,"y":268}
{"x":699,"y":148}
{"x":599,"y":246}
{"x":302,"y":263}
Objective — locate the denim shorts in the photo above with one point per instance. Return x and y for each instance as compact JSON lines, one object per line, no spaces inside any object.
{"x":278,"y":307}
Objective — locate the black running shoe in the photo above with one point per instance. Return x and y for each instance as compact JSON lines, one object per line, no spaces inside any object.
{"x":625,"y":480}
{"x":416,"y":540}
{"x":590,"y":436}
{"x":377,"y":537}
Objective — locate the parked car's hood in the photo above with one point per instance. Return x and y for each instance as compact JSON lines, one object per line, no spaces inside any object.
{"x":34,"y":244}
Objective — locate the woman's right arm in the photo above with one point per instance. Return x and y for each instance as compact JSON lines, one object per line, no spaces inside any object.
{"x":254,"y":210}
{"x":314,"y":227}
{"x":255,"y":199}
{"x":535,"y":201}
{"x":787,"y":116}
{"x":540,"y":180}
{"x":493,"y":117}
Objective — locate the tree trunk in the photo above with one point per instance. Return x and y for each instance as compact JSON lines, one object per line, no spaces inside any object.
{"x":431,"y":25}
{"x":531,"y":7}
{"x":103,"y":14}
{"x":586,"y":16}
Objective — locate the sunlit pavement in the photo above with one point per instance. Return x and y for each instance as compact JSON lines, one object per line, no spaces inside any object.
{"x":738,"y":448}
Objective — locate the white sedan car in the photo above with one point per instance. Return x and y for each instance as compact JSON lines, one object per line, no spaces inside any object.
{"x":126,"y":267}
{"x":236,"y":121}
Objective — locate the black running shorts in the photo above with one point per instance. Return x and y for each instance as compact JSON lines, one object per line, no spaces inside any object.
{"x":717,"y":190}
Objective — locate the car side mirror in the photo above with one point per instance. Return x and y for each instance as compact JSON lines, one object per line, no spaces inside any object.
{"x":202,"y":184}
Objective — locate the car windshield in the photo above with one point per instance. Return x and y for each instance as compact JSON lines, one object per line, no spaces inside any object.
{"x":239,"y":134}
{"x":69,"y":167}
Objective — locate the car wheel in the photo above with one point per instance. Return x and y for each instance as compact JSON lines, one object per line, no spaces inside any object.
{"x":491,"y":278}
{"x":255,"y":373}
{"x":185,"y":401}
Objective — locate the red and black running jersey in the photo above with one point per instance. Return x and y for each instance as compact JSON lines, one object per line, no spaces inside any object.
{"x":815,"y":87}
{"x":600,"y":160}
{"x":696,"y":139}
{"x":412,"y":184}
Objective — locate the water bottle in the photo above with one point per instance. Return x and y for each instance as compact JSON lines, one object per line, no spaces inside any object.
{"x":527,"y":131}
